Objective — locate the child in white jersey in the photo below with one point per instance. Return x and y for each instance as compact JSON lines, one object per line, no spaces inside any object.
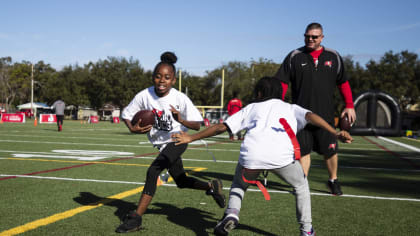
{"x":270,"y":144}
{"x":174,"y":112}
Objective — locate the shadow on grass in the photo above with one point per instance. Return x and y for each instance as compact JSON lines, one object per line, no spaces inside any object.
{"x":374,"y":185}
{"x":197,"y":220}
{"x":387,"y":185}
{"x":381,"y":159}
{"x":194,"y":219}
{"x":375,"y":172}
{"x":191,"y":218}
{"x":90,"y":199}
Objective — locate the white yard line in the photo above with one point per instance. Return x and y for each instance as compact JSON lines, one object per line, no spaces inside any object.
{"x":75,"y":137}
{"x":345,"y":167}
{"x":67,"y":143}
{"x":226,"y":188}
{"x":142,"y":144}
{"x":371,"y":168}
{"x":86,"y":157}
{"x":143,"y":140}
{"x":369,"y":197}
{"x":72,"y":179}
{"x":186,"y":159}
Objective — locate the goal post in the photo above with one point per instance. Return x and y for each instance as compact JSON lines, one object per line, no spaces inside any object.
{"x":203,"y":107}
{"x":222,"y":92}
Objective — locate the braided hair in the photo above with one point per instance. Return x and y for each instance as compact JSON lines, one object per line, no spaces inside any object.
{"x":167,"y":58}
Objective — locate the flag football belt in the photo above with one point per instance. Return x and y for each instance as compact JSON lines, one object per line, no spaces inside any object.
{"x":257,"y":182}
{"x":296,"y":148}
{"x":292,"y":137}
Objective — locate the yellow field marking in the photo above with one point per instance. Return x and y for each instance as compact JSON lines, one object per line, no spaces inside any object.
{"x":93,"y":162}
{"x":67,"y":214}
{"x":198,"y":169}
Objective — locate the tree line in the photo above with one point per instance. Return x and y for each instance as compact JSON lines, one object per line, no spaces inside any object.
{"x":116,"y":80}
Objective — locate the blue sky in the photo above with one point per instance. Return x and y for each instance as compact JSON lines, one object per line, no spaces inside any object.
{"x":203,"y":34}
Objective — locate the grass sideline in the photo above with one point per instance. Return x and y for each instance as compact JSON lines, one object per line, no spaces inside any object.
{"x":91,"y":174}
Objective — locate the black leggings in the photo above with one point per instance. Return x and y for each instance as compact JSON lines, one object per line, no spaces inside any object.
{"x":60,"y":119}
{"x":169,"y":158}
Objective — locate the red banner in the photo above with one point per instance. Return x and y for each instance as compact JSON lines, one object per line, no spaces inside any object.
{"x":206,"y":122}
{"x":93,"y":119}
{"x":115,"y":120}
{"x":47,"y":118}
{"x":17,"y":117}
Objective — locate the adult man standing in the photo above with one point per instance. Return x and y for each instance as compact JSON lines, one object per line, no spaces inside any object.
{"x":59,"y":107}
{"x":314,"y":71}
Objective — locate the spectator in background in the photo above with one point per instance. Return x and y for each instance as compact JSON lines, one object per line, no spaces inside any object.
{"x":58,"y":107}
{"x":233,"y":106}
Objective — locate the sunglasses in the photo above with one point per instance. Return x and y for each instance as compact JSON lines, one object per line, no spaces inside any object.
{"x":312,"y":36}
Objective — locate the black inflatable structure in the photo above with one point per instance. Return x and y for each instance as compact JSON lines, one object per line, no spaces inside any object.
{"x":378,"y":114}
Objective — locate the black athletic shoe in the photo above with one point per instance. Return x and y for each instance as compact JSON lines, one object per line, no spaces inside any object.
{"x":131,"y":223}
{"x":216,"y":191}
{"x":227,"y":224}
{"x":334,"y":187}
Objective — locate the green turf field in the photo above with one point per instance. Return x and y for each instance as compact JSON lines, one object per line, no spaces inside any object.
{"x":82,"y":180}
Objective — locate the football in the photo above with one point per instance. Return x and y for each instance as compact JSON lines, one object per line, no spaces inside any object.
{"x":147,"y":118}
{"x":344,"y":123}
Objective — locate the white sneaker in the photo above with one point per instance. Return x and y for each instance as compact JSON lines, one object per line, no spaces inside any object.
{"x":304,"y":233}
{"x":227,"y":224}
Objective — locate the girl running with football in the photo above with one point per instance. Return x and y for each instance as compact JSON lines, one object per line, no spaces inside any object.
{"x":174,"y":112}
{"x":270,"y":144}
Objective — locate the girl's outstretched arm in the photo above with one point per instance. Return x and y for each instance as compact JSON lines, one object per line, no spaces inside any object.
{"x":314,"y":119}
{"x":181,"y":138}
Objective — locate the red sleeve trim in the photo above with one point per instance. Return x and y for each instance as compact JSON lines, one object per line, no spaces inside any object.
{"x":284,"y":86}
{"x":345,"y":91}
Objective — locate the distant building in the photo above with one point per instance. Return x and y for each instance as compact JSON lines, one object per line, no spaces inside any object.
{"x":108,"y":111}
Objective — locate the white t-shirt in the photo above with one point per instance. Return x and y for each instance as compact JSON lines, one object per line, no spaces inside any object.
{"x":165,"y":124}
{"x":266,"y":144}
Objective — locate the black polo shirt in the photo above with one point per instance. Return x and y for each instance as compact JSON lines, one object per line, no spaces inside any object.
{"x":313,"y":86}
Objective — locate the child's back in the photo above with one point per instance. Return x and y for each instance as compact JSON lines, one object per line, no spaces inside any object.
{"x":266,"y":144}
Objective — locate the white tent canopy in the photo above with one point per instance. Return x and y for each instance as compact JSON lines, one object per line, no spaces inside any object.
{"x":35,"y":105}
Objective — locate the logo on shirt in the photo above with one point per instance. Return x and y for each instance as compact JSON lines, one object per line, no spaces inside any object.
{"x":163,"y":121}
{"x":332,"y":146}
{"x":278,"y":129}
{"x":253,"y":124}
{"x":328,"y":63}
{"x":304,"y":64}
